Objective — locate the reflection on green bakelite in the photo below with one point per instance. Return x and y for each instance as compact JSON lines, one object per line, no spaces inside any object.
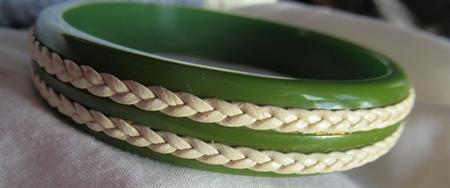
{"x":270,"y":140}
{"x":324,"y":72}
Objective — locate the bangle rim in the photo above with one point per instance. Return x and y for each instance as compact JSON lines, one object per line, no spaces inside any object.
{"x":54,"y":32}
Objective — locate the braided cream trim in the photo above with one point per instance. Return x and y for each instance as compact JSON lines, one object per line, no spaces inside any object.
{"x":215,"y":153}
{"x":234,"y":114}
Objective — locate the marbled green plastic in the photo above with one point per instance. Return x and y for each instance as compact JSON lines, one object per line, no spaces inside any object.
{"x":123,"y":38}
{"x":268,"y":140}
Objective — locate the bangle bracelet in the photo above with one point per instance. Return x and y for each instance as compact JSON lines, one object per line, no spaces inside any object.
{"x":337,"y":105}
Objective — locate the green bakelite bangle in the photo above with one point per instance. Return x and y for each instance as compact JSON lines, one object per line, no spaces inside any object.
{"x":120,"y":69}
{"x":123,"y":39}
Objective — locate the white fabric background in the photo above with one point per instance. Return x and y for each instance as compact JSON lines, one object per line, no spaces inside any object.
{"x":38,"y":150}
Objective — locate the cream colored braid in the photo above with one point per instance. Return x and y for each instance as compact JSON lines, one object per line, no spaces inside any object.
{"x":211,"y":110}
{"x":215,"y":153}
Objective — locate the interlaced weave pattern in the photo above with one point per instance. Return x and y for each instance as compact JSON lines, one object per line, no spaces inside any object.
{"x":211,"y":110}
{"x":215,"y":153}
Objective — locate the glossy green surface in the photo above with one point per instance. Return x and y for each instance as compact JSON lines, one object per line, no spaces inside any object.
{"x":270,"y":140}
{"x":329,"y":73}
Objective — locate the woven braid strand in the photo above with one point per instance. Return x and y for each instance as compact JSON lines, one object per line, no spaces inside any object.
{"x":215,"y":153}
{"x":229,"y":114}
